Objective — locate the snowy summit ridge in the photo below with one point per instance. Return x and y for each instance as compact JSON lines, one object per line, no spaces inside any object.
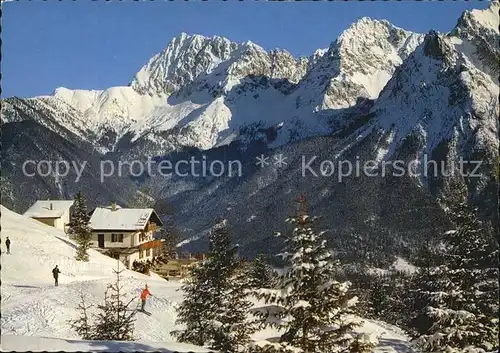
{"x":204,"y":92}
{"x":181,"y":62}
{"x":198,"y":83}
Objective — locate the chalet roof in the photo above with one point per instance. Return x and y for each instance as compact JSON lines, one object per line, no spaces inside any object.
{"x":122,"y":218}
{"x":48,"y":208}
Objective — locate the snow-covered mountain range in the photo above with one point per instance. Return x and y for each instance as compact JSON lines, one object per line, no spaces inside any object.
{"x":378,"y":93}
{"x":209,"y":88}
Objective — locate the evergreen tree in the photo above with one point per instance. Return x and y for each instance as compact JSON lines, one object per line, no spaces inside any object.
{"x":170,"y":235}
{"x":215,"y":307}
{"x":310,"y":306}
{"x":82,"y":325}
{"x":114,"y":320}
{"x":462,"y":313}
{"x":196,"y":311}
{"x":362,"y":285}
{"x":378,"y":297}
{"x":427,"y":281}
{"x":387,"y":295}
{"x":260,"y":274}
{"x":233,"y":329}
{"x":79,"y":228}
{"x":169,"y":231}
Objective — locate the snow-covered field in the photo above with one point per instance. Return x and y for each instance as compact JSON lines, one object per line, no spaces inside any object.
{"x":37,"y":344}
{"x":33,"y":306}
{"x":35,"y":312}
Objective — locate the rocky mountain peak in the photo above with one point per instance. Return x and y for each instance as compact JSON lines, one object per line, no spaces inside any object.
{"x":376,"y":39}
{"x":188,"y":59}
{"x":181,"y":62}
{"x":435,"y":46}
{"x":478,"y":35}
{"x":358,"y":64}
{"x":484,"y":21}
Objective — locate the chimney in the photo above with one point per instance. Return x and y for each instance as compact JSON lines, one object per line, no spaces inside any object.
{"x":113,"y":206}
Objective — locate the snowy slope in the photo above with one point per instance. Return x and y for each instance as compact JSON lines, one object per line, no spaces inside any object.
{"x":388,"y":338}
{"x":435,"y":79}
{"x":33,"y":306}
{"x":34,"y":311}
{"x":13,"y":343}
{"x":116,"y":107}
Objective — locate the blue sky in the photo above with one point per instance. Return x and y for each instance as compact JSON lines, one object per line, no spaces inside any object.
{"x":97,"y":44}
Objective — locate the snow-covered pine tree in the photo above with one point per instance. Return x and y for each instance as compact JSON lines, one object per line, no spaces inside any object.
{"x":215,"y":307}
{"x":102,"y":326}
{"x":235,"y":329}
{"x":310,"y":306}
{"x":464,"y":315}
{"x":79,"y":228}
{"x":394,"y":303}
{"x":424,"y":284}
{"x":260,"y":274}
{"x":196,"y":311}
{"x":361,"y":286}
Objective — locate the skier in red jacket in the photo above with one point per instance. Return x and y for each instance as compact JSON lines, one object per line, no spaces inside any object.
{"x":144,"y":295}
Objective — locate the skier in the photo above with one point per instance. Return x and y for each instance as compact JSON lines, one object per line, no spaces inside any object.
{"x":55,"y":273}
{"x":144,"y":295}
{"x":7,"y":243}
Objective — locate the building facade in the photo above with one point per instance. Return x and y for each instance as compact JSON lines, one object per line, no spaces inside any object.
{"x":126,"y":233}
{"x":55,"y":213}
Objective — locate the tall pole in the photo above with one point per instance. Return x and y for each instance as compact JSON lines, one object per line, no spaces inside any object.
{"x":302,"y":208}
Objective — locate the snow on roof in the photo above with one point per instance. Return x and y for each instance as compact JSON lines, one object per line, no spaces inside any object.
{"x":48,"y":208}
{"x":120,"y":218}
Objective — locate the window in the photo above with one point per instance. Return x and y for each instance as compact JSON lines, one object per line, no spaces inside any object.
{"x":148,"y":252}
{"x":141,"y":254}
{"x":143,"y":236}
{"x":116,"y":238}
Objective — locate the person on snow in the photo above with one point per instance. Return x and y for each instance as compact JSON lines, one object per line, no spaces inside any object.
{"x":55,"y":273}
{"x":7,"y":244}
{"x":144,"y":295}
